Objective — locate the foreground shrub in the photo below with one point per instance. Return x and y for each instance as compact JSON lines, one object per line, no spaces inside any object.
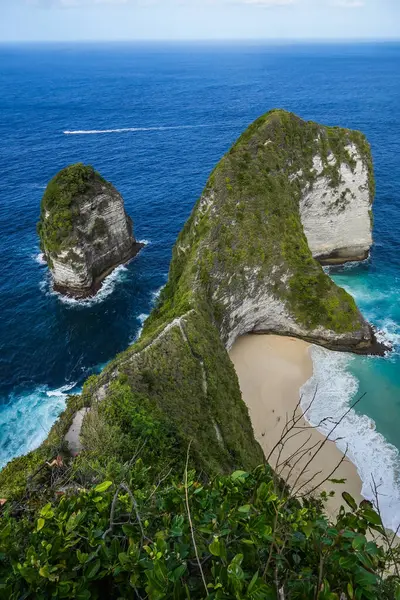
{"x":237,"y":537}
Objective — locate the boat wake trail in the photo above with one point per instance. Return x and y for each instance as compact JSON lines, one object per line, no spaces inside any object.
{"x":133,"y":129}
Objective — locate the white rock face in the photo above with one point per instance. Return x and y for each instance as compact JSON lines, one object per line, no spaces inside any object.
{"x":337,"y":221}
{"x":262,"y":312}
{"x":65,"y":275}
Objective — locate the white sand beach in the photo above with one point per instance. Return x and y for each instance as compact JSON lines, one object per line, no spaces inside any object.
{"x":271,"y":370}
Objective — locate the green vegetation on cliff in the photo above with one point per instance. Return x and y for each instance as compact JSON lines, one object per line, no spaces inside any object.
{"x":58,"y":207}
{"x":246,"y":229}
{"x":175,"y":389}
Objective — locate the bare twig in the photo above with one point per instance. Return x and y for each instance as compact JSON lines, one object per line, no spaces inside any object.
{"x":309,"y":492}
{"x":112,"y":513}
{"x":190,"y":520}
{"x":160,"y":481}
{"x":135,"y":506}
{"x":389,"y":542}
{"x":326,"y":439}
{"x":287,"y":429}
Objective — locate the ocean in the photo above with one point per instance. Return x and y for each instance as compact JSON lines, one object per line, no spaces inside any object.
{"x":154,"y":119}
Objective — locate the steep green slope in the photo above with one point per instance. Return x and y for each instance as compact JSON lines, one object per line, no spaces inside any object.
{"x":245,"y":239}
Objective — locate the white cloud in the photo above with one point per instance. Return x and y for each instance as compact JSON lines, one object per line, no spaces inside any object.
{"x":75,"y":3}
{"x":267,"y":2}
{"x":349,"y":3}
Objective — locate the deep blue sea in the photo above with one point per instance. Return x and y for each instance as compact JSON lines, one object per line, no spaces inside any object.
{"x":154,"y":120}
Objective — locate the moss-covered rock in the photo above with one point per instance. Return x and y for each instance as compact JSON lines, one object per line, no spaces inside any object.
{"x":84,"y":230}
{"x":243,"y":253}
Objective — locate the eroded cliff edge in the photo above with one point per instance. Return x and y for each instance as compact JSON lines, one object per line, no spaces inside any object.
{"x":241,"y":264}
{"x":244,"y":252}
{"x":84,"y":230}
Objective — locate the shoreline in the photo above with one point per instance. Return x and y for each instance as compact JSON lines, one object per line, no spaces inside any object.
{"x":272,"y":370}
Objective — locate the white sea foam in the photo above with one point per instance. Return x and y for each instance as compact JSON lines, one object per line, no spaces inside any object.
{"x":106,"y":289}
{"x":141,"y":318}
{"x":155,"y":295}
{"x":389,"y":333}
{"x":349,"y":266}
{"x":39,"y":258}
{"x":373,"y":456}
{"x":32,"y":413}
{"x":145,"y":242}
{"x":365,"y":295}
{"x":132,"y":129}
{"x":37,"y":186}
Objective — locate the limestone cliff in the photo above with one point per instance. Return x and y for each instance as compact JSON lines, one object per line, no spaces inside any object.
{"x":84,"y":230}
{"x":244,"y":251}
{"x":336,"y":214}
{"x":242,"y":264}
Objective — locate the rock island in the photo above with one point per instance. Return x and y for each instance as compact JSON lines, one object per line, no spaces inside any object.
{"x":84,"y":230}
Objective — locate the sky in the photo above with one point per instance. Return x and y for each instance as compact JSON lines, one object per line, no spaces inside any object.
{"x":81,"y":20}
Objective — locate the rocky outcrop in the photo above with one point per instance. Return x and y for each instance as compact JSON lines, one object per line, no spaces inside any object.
{"x":287,"y":190}
{"x":84,"y":230}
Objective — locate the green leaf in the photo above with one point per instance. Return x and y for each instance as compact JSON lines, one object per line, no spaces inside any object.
{"x":129,"y":530}
{"x":93,"y":569}
{"x":215,"y":547}
{"x":308,"y":529}
{"x":245,"y":508}
{"x":103,"y":487}
{"x":177,"y":526}
{"x":239,"y":476}
{"x":177,"y":573}
{"x":359,"y":542}
{"x":74,"y":521}
{"x":347,"y":562}
{"x":252,"y":582}
{"x":371,"y":516}
{"x":349,"y":500}
{"x":47,"y":511}
{"x":365,"y":579}
{"x":124,"y":559}
{"x":44,"y":571}
{"x":350,"y":591}
{"x":40,"y":524}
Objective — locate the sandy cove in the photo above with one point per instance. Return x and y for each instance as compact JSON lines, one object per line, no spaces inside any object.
{"x":271,"y":370}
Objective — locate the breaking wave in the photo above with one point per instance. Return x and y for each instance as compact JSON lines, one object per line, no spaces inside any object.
{"x":107,"y":288}
{"x":32,"y":413}
{"x":39,"y":258}
{"x":375,"y":458}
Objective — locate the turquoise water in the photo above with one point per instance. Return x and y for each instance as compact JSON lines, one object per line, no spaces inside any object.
{"x":370,"y":433}
{"x":154,"y":119}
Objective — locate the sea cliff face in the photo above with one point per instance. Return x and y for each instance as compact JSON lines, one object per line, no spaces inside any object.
{"x":84,"y":230}
{"x":287,"y":190}
{"x":337,"y":219}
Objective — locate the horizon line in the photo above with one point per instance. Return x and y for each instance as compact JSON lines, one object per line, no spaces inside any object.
{"x":270,"y":41}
